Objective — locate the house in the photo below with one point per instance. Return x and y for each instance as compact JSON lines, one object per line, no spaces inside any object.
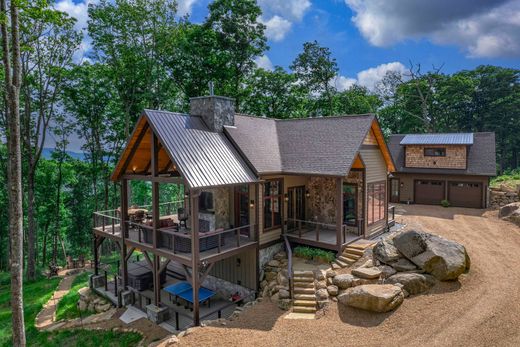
{"x":255,"y":186}
{"x":433,"y":167}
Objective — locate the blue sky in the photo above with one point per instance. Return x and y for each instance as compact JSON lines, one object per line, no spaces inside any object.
{"x":369,"y":37}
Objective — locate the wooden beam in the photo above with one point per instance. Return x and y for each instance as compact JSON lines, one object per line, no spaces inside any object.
{"x":160,"y":179}
{"x":148,"y":260}
{"x":186,"y":272}
{"x":123,"y":226}
{"x":134,"y":148}
{"x":195,"y":255}
{"x":164,"y":265}
{"x":129,"y":254}
{"x":206,"y":273}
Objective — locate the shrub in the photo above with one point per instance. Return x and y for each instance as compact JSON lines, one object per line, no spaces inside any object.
{"x":315,"y":254}
{"x":445,"y":203}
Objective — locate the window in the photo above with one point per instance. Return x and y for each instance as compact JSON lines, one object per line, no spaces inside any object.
{"x":376,"y":196}
{"x":272,"y":204}
{"x":435,"y":152}
{"x":349,"y":204}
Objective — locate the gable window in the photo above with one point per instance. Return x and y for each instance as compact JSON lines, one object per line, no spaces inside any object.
{"x":272,"y":204}
{"x":435,"y":152}
{"x":376,"y":197}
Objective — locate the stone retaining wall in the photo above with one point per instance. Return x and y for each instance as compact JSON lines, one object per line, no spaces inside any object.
{"x":499,"y":197}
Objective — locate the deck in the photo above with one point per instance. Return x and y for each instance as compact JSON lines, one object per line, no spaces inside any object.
{"x":320,"y":235}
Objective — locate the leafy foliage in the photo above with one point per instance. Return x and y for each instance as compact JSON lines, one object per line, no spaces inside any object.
{"x":315,"y":254}
{"x":67,"y":308}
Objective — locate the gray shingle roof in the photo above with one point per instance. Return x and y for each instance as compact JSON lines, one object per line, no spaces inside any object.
{"x":481,"y":156}
{"x":438,"y":139}
{"x":203,"y":157}
{"x":325,"y":146}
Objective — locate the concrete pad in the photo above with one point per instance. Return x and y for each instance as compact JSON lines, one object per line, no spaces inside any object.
{"x":296,"y":315}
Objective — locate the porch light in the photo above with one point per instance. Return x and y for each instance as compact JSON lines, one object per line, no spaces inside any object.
{"x":186,"y":195}
{"x":286,"y":197}
{"x":402,"y":184}
{"x":307,"y":193}
{"x":134,"y":168}
{"x":251,"y":203}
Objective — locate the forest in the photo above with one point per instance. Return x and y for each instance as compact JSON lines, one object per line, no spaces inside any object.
{"x":144,"y":55}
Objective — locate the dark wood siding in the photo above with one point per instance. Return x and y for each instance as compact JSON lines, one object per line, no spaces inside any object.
{"x":238,"y":269}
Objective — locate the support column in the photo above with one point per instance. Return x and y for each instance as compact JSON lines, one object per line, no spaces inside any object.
{"x":155,"y":219}
{"x":339,"y":212}
{"x":195,"y":254}
{"x":96,"y":261}
{"x":124,"y":230}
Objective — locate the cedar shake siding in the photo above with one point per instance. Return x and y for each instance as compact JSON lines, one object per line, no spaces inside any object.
{"x":454,"y":158}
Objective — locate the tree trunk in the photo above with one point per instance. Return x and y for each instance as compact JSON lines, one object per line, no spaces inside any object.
{"x":31,"y":235}
{"x":14,"y":172}
{"x":44,"y":250}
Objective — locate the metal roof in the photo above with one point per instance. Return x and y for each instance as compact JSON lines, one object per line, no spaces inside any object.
{"x":204,"y":158}
{"x":481,"y":157}
{"x":438,"y":139}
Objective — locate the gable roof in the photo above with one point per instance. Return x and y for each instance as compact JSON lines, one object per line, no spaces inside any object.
{"x":321,"y":146}
{"x":481,"y":156}
{"x":203,"y":157}
{"x":438,"y":139}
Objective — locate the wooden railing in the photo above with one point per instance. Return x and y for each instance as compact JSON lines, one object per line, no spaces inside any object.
{"x":299,"y":227}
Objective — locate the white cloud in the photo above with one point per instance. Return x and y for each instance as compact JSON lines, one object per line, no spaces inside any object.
{"x":370,"y":77}
{"x":276,"y":28}
{"x":185,"y":6}
{"x":264,"y":62}
{"x":482,"y":28}
{"x":279,"y":16}
{"x":76,"y":10}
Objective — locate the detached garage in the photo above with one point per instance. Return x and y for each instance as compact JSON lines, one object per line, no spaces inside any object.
{"x":434,"y":167}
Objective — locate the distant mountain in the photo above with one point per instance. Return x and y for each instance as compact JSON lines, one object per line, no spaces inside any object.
{"x":47,"y":154}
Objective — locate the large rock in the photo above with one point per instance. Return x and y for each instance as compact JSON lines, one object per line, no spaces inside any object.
{"x":404,"y":264}
{"x":322,"y":294}
{"x":385,"y":251}
{"x":373,"y":297}
{"x":343,"y":281}
{"x":367,"y":272}
{"x":413,"y":283}
{"x":511,"y":213}
{"x":386,"y":270}
{"x":282,"y":279}
{"x":443,"y":258}
{"x":333,"y":290}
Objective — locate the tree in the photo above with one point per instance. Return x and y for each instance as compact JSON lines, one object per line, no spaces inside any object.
{"x":273,"y":94}
{"x":240,"y":38}
{"x":52,"y":40}
{"x":315,"y":68}
{"x":356,"y":100}
{"x":12,"y":86}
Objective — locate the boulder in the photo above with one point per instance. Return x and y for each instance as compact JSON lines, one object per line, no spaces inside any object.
{"x":318,"y":274}
{"x":330,"y":273}
{"x":275,"y":297}
{"x":273,"y":263}
{"x":403,"y":265}
{"x":282,"y":279}
{"x":82,"y":305}
{"x":333,"y":290}
{"x":442,"y":258}
{"x":321,"y":285}
{"x":84,"y":293}
{"x":102,"y":308}
{"x":413,"y":283}
{"x":280,"y":255}
{"x":367,"y":272}
{"x":269,"y":276}
{"x":387,"y":271}
{"x":368,"y":263}
{"x":373,"y":297}
{"x":322,"y":294}
{"x":385,"y":251}
{"x":283,"y":294}
{"x":343,"y":281}
{"x":511,"y":213}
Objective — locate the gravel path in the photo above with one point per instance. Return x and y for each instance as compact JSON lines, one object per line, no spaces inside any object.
{"x":482,"y":308}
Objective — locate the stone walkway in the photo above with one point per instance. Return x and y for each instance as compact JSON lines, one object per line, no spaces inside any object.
{"x":47,"y":316}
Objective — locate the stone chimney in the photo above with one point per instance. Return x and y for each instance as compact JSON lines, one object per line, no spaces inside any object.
{"x":216,"y":111}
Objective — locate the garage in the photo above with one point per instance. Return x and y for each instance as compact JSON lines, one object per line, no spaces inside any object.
{"x":429,"y":192}
{"x":465,"y":194}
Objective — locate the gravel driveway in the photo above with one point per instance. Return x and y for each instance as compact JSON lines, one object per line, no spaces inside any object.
{"x":482,"y":308}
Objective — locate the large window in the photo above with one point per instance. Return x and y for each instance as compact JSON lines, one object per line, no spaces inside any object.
{"x":376,"y":202}
{"x":435,"y":152}
{"x":272,"y":204}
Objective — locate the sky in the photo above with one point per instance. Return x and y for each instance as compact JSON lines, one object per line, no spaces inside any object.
{"x":370,"y":37}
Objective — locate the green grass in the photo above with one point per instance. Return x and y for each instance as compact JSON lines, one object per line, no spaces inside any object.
{"x":316,"y":254}
{"x":67,"y":308}
{"x":36,"y":294}
{"x":509,"y":179}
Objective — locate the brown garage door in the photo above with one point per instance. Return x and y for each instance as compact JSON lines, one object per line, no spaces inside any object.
{"x":429,"y":192}
{"x":465,"y":194}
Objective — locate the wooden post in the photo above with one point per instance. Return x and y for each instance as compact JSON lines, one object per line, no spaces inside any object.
{"x":155,"y":219}
{"x":195,"y":255}
{"x":339,"y":211}
{"x":123,"y":226}
{"x":96,"y":262}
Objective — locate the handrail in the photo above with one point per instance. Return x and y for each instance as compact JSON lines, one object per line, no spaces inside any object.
{"x":310,"y":222}
{"x":289,"y":264}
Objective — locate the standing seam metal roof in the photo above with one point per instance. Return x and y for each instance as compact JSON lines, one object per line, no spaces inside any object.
{"x":438,"y":139}
{"x":203,"y":157}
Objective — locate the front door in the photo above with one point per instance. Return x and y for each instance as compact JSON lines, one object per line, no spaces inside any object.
{"x":394,"y":190}
{"x":242,"y":208}
{"x":350,"y":204}
{"x":295,"y":205}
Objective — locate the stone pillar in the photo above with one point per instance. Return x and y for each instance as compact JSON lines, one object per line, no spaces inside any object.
{"x":216,"y":111}
{"x":97,"y":281}
{"x":157,"y":314}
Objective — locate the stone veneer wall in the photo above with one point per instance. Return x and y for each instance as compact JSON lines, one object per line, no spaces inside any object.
{"x":455,"y":157}
{"x":225,"y":289}
{"x":216,"y":111}
{"x":321,"y":201}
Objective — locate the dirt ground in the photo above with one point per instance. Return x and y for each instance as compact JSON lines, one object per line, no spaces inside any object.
{"x":482,"y":308}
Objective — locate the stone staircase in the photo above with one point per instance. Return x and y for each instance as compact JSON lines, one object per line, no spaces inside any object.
{"x":350,"y":255}
{"x":304,"y":292}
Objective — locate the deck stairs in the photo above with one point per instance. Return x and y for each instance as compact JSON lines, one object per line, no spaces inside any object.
{"x":350,"y":255}
{"x":304,"y":292}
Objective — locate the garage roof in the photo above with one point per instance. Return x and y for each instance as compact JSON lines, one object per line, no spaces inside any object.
{"x":438,"y":139}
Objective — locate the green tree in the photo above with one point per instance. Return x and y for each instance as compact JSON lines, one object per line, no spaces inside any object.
{"x":240,"y":38}
{"x":315,"y":68}
{"x":356,"y":100}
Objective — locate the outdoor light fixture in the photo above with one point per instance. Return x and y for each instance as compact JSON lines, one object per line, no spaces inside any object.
{"x":134,"y":168}
{"x":252,"y":203}
{"x":286,"y":197}
{"x":402,"y":184}
{"x":186,"y":195}
{"x":307,"y":193}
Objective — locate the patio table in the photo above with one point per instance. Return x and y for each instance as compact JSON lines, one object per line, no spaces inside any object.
{"x":184,"y":290}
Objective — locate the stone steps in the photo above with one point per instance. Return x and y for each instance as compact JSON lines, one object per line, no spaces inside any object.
{"x":354,"y":251}
{"x":304,"y":284}
{"x":347,"y":260}
{"x":304,"y":309}
{"x":308,"y":274}
{"x":311,"y":297}
{"x":306,"y":303}
{"x":298,"y":290}
{"x":303,"y":279}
